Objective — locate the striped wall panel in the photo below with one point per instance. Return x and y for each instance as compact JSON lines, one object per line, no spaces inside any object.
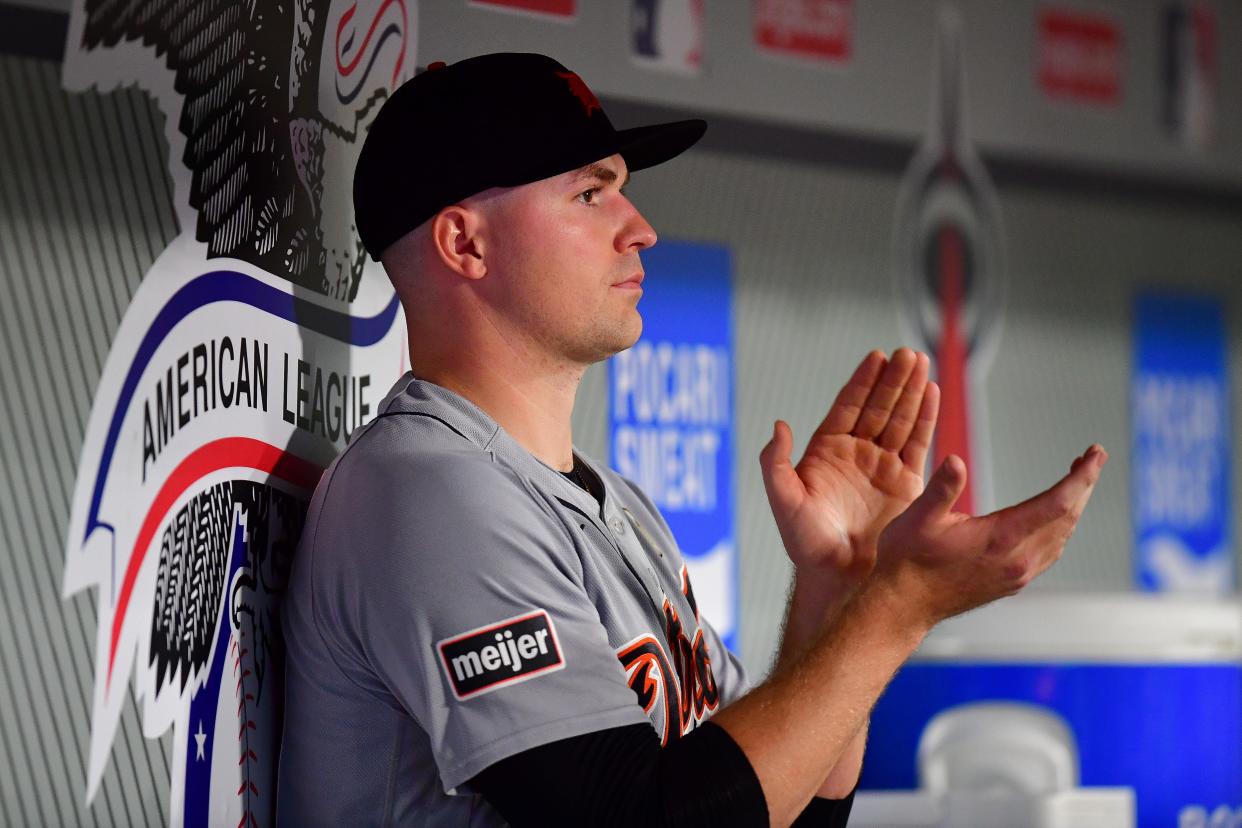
{"x":85,"y":207}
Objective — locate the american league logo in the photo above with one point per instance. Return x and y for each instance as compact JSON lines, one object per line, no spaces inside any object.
{"x":253,"y":347}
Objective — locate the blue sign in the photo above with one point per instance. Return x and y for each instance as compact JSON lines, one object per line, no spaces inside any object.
{"x":671,"y":415}
{"x":1169,"y":731}
{"x":1180,"y":430}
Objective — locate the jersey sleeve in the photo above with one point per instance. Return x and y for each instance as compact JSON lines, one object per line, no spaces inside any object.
{"x":453,"y":585}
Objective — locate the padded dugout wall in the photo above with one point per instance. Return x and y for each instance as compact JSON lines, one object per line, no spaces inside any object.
{"x":85,"y":208}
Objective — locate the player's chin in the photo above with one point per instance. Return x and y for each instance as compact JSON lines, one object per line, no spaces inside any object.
{"x":619,"y":338}
{"x":632,"y":331}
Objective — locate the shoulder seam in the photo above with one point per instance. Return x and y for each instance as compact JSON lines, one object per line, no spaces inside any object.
{"x":314,"y":609}
{"x":313,"y":542}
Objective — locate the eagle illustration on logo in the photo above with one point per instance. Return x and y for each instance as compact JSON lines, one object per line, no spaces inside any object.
{"x":253,"y":347}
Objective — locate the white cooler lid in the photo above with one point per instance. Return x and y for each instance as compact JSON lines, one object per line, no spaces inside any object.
{"x":1101,"y":627}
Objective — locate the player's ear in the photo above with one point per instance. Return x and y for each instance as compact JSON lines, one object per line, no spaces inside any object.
{"x":457,"y":241}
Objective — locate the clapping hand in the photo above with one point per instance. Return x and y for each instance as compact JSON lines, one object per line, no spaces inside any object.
{"x":857,"y":496}
{"x":941,"y":563}
{"x":862,"y":467}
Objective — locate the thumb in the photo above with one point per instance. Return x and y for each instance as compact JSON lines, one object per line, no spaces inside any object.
{"x":784,"y":487}
{"x":943,"y":490}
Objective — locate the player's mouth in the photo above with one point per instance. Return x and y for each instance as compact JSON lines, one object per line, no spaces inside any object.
{"x":634,"y":282}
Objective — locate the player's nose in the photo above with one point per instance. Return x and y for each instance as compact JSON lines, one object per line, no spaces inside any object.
{"x":636,"y":233}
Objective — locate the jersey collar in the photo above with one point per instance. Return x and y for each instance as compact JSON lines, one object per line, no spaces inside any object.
{"x":414,"y":395}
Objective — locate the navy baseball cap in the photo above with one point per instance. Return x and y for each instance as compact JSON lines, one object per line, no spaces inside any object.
{"x":496,"y":120}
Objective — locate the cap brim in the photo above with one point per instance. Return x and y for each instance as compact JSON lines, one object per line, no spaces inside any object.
{"x":647,"y":146}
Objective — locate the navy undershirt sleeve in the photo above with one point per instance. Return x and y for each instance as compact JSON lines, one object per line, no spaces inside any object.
{"x":826,"y":813}
{"x":621,"y":776}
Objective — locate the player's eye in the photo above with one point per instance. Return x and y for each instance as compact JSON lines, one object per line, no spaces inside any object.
{"x":589,"y":196}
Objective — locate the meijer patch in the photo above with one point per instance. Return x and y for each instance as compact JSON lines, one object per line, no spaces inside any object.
{"x":499,"y":654}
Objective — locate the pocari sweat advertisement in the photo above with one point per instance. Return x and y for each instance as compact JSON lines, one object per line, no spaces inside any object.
{"x":671,"y":415}
{"x":1180,"y":430}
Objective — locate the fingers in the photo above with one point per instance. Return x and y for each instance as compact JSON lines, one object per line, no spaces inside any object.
{"x":914,"y":452}
{"x":905,"y":411}
{"x":942,"y":491}
{"x":884,"y":395}
{"x":1030,"y":537}
{"x":784,"y":487}
{"x":1097,"y":456}
{"x":1064,"y":501}
{"x":849,"y":403}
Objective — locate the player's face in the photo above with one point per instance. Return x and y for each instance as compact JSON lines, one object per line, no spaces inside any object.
{"x":566,"y":251}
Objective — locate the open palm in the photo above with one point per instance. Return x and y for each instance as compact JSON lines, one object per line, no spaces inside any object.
{"x":861,"y":468}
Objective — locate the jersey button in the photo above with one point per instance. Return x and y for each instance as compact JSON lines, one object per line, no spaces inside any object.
{"x":617,"y":525}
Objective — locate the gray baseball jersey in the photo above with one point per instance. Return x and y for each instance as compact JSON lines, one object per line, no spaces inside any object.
{"x":455,"y":601}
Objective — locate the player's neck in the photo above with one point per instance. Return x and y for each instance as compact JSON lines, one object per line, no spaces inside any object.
{"x":531,"y":399}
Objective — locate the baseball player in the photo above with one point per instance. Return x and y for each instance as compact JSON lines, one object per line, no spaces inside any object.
{"x":486,"y":627}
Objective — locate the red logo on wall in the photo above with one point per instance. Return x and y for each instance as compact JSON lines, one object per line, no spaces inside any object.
{"x":559,"y":8}
{"x":1080,"y":57}
{"x":819,"y":29}
{"x":949,"y":263}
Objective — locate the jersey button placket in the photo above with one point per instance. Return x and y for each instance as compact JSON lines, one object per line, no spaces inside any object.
{"x":630,"y":547}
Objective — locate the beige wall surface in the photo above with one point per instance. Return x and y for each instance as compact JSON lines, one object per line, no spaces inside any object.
{"x":882,"y":90}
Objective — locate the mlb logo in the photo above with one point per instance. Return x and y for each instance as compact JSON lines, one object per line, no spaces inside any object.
{"x":667,"y":34}
{"x":1190,"y":73}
